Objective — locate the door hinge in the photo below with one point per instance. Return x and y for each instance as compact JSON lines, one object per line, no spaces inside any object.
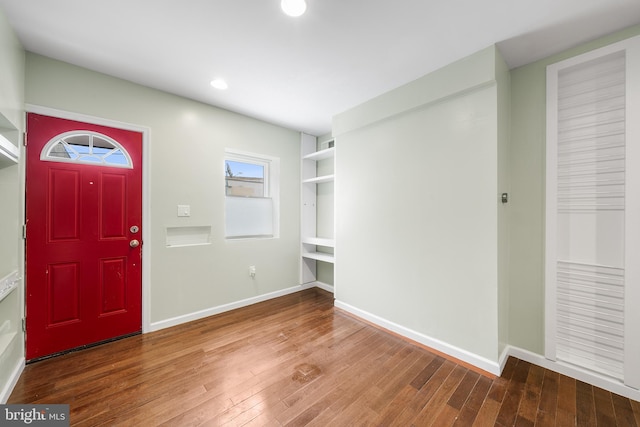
{"x":24,"y":231}
{"x":24,"y":324}
{"x":24,"y":139}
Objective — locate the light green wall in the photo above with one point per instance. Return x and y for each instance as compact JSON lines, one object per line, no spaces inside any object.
{"x":527,"y":171}
{"x":11,"y":126}
{"x":417,"y":196}
{"x":187,"y":143}
{"x":11,"y":80}
{"x":503,"y":79}
{"x":464,"y":74}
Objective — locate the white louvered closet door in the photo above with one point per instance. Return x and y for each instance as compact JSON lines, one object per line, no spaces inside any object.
{"x":593,"y":212}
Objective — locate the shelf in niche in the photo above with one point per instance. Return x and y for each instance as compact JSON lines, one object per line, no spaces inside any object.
{"x":319,"y":256}
{"x":319,"y":179}
{"x":319,"y":241}
{"x":321,"y":155}
{"x":9,"y":153}
{"x":8,"y":284}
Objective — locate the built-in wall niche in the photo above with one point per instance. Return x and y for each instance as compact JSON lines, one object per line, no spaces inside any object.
{"x":317,"y":214}
{"x":188,"y":236}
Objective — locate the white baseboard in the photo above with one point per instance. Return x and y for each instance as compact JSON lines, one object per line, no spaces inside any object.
{"x":322,"y":285}
{"x":610,"y":384}
{"x":156,"y":326}
{"x":607,"y":383}
{"x":504,"y":356}
{"x":441,"y":346}
{"x":13,"y":380}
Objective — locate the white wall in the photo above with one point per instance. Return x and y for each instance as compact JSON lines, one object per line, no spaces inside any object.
{"x":11,"y":126}
{"x":424,"y":257}
{"x":187,"y":143}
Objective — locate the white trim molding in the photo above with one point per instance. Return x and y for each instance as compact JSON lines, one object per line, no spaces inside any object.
{"x":13,"y":380}
{"x":434,"y":343}
{"x":597,"y":205}
{"x":146,"y":191}
{"x":322,"y":285}
{"x":178,"y":320}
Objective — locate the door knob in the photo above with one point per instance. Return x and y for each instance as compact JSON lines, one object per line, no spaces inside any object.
{"x":134,"y":243}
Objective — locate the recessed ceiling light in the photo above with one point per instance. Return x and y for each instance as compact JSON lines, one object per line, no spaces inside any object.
{"x":293,"y":7}
{"x":219,"y":84}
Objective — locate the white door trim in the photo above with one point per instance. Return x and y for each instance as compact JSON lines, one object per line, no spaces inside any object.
{"x":631,"y":47}
{"x":146,"y":184}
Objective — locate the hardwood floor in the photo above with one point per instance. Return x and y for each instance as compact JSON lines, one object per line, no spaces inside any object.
{"x":298,"y":361}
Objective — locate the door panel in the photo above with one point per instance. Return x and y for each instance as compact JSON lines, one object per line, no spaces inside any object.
{"x":592,"y":278}
{"x":63,"y":203}
{"x":113,"y":207}
{"x":63,"y":294}
{"x":84,"y":281}
{"x":113,"y":285}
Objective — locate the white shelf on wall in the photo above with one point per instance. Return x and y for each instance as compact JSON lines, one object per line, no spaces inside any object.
{"x":319,"y":241}
{"x":321,"y":155}
{"x":319,"y":179}
{"x":8,"y":284}
{"x":9,"y":153}
{"x":319,"y":256}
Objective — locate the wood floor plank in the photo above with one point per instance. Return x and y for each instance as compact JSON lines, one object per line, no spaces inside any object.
{"x":566,"y":411}
{"x":605,"y":415}
{"x":361,"y":397}
{"x":296,"y":361}
{"x":390,"y":384}
{"x":472,"y":406}
{"x":461,"y":394}
{"x":636,"y":410}
{"x":528,"y":409}
{"x":426,"y":374}
{"x":511,"y":401}
{"x":336,"y":395}
{"x":624,"y":411}
{"x":426,"y":393}
{"x":499,"y":386}
{"x":396,"y":406}
{"x":487,"y":414}
{"x":437,"y":404}
{"x":585,"y":405}
{"x":547,"y":408}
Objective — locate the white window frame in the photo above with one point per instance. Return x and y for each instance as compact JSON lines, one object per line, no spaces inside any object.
{"x":45,"y":154}
{"x":254,"y":159}
{"x":270,"y":199}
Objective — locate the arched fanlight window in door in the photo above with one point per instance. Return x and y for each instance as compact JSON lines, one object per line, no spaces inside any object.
{"x":87,"y":147}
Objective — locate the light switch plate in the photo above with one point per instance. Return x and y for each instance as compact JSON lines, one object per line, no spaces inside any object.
{"x":184,"y":210}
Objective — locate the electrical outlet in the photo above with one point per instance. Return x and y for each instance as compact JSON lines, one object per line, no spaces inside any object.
{"x":252,"y":271}
{"x":184,"y":210}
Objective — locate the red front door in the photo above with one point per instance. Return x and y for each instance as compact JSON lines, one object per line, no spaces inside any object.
{"x":84,"y":231}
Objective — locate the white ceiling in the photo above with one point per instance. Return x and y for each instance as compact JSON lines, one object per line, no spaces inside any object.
{"x":299,"y":72}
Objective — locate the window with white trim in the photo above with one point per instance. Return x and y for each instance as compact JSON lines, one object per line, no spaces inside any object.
{"x":251,"y":195}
